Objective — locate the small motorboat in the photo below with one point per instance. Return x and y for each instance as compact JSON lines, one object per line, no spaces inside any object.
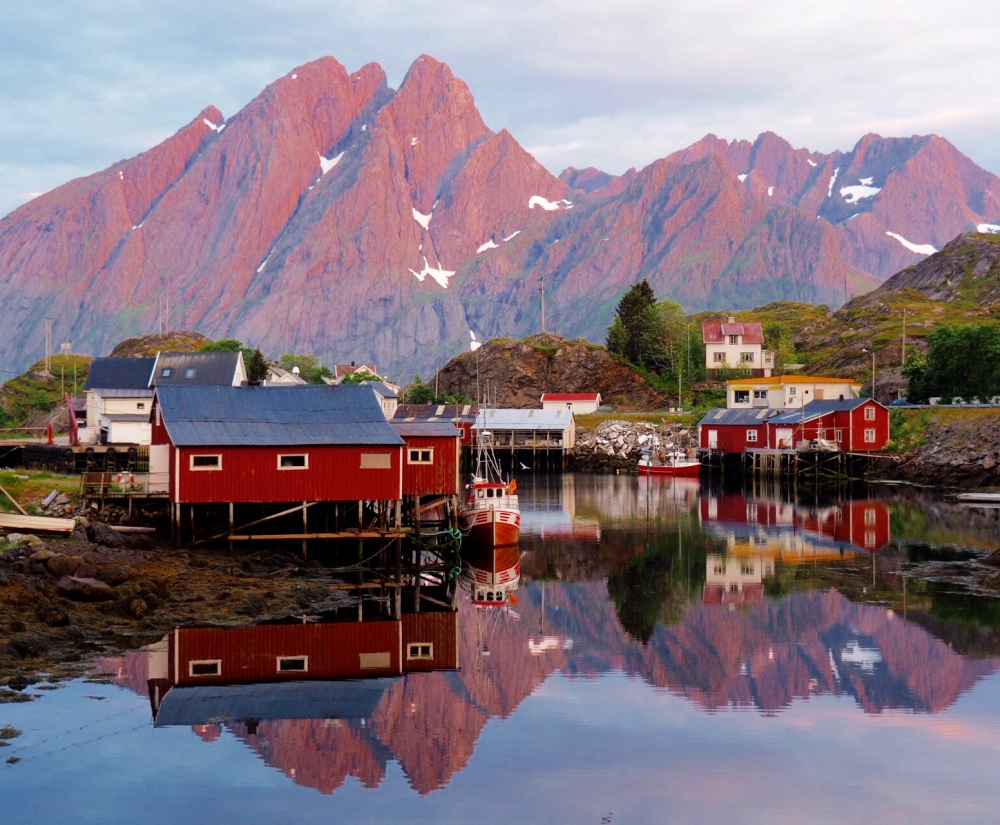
{"x":669,"y":463}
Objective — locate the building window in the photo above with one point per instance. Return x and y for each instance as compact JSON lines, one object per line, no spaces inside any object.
{"x":376,"y":461}
{"x":166,"y":372}
{"x":838,"y":435}
{"x":869,"y":436}
{"x":734,"y":340}
{"x":205,"y":667}
{"x":734,"y":588}
{"x":296,"y":461}
{"x":720,"y":570}
{"x":751,"y":436}
{"x":421,"y":456}
{"x":791,"y":390}
{"x":140,"y":405}
{"x":869,"y":516}
{"x":293,"y":664}
{"x":869,"y":538}
{"x":820,"y":433}
{"x":206,"y":462}
{"x":746,"y":357}
{"x":719,"y":357}
{"x":420,"y":650}
{"x":760,"y":395}
{"x":869,"y":413}
{"x":746,"y":569}
{"x":189,"y":373}
{"x":741,"y":396}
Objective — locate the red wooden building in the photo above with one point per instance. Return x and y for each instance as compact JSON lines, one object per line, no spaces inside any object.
{"x":432,"y":457}
{"x":853,"y":424}
{"x":275,"y":444}
{"x":462,"y":416}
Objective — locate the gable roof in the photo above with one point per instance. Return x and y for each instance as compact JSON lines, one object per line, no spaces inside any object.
{"x":274,"y":416}
{"x":343,"y":370}
{"x":823,"y":406}
{"x":426,"y":429}
{"x":571,"y":396}
{"x":380,"y":389}
{"x":715,"y":332}
{"x":202,"y":369}
{"x":524,"y":419}
{"x":465,"y":413}
{"x":119,"y":373}
{"x":744,"y":418}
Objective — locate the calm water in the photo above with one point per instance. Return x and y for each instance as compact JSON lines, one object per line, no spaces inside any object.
{"x":673,"y":656}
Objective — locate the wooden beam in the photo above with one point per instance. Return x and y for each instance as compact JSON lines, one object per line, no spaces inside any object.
{"x":353,"y":534}
{"x":259,"y":521}
{"x":14,"y":501}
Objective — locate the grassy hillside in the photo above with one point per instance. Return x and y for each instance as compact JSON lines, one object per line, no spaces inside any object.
{"x":37,"y":391}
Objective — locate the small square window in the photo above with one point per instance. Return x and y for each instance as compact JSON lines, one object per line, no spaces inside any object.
{"x":166,"y":372}
{"x":205,"y":667}
{"x":140,"y":405}
{"x":869,"y":436}
{"x":751,"y":436}
{"x":791,"y":390}
{"x":299,"y":461}
{"x":869,"y":413}
{"x":869,"y":516}
{"x":421,"y":456}
{"x":189,"y":373}
{"x":420,"y":650}
{"x":293,"y":664}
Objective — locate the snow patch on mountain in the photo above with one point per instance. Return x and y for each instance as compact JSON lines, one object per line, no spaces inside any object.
{"x":866,"y":181}
{"x":990,"y":228}
{"x":852,"y":194}
{"x":266,"y":259}
{"x":474,"y":344}
{"x":547,"y":205}
{"x":770,"y":191}
{"x":833,"y":180}
{"x":326,"y":164}
{"x":811,"y":162}
{"x":422,"y":219}
{"x":439,"y":275}
{"x":212,"y":126}
{"x":512,"y":235}
{"x":919,"y":248}
{"x":488,"y":245}
{"x":742,"y":177}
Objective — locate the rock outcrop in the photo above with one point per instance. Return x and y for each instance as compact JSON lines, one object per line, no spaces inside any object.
{"x":512,"y":373}
{"x":335,"y":215}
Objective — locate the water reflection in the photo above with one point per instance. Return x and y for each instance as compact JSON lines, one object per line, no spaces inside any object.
{"x":660,"y":579}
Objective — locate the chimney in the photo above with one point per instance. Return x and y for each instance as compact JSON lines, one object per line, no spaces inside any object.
{"x":732,"y":320}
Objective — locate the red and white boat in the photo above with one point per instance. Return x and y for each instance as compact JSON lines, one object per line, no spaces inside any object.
{"x":489,"y":516}
{"x":670,"y":463}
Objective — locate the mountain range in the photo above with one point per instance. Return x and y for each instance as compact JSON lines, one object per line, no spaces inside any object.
{"x":337,"y":216}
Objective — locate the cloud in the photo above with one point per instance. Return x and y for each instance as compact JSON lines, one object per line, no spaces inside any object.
{"x":584,"y":81}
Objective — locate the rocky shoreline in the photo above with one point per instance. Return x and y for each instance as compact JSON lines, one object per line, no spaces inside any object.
{"x":614,"y":446}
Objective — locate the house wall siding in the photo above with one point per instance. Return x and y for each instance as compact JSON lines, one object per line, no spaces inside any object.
{"x":439,"y":478}
{"x":438,"y":629}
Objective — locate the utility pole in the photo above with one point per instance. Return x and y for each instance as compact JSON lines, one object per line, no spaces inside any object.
{"x":902,"y":359}
{"x":541,"y":289}
{"x":48,"y":345}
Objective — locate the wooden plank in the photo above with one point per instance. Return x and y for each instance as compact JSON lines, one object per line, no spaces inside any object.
{"x":18,"y":506}
{"x":353,"y":534}
{"x":36,"y":524}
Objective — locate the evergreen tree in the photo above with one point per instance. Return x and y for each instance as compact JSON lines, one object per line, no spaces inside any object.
{"x":634,"y":321}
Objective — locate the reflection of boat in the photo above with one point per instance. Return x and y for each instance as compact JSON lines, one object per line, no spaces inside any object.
{"x":669,"y":463}
{"x":492,"y":576}
{"x":490,"y":515}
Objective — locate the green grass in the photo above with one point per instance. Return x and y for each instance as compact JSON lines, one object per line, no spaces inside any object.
{"x":29,"y":487}
{"x":28,"y":393}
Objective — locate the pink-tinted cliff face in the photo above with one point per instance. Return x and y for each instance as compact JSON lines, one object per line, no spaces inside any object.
{"x":334,"y":215}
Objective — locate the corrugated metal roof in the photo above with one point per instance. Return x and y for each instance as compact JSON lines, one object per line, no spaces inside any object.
{"x":351,"y":699}
{"x":274,"y":416}
{"x":571,"y":396}
{"x":750,"y":417}
{"x":436,"y":412}
{"x":428,"y":429}
{"x":144,"y":393}
{"x":493,"y":419}
{"x":119,"y":373}
{"x":139,"y":417}
{"x":823,"y":406}
{"x":205,"y":369}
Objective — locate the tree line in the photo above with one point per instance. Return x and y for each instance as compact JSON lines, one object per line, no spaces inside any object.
{"x":961,"y":361}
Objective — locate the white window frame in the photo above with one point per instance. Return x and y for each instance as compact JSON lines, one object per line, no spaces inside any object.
{"x":193,"y":662}
{"x":869,"y":436}
{"x":140,"y":405}
{"x":718,"y":358}
{"x":738,"y":400}
{"x":838,"y":435}
{"x":305,"y":456}
{"x":419,"y":451}
{"x":791,"y":391}
{"x":869,"y":413}
{"x":415,"y":651}
{"x":734,"y":340}
{"x":870,"y":516}
{"x":282,"y":659}
{"x":746,"y":357}
{"x":194,"y":469}
{"x":751,"y":436}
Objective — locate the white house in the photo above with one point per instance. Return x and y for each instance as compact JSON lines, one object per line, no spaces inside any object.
{"x":277,"y":377}
{"x":787,"y":391}
{"x":736,"y":345}
{"x":119,"y":400}
{"x":388,"y":399}
{"x":581,"y":403}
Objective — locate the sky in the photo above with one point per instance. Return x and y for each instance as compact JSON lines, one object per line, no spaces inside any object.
{"x":84,"y":83}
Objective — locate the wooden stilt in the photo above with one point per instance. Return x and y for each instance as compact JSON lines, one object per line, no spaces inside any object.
{"x":305,"y":529}
{"x":231,"y":522}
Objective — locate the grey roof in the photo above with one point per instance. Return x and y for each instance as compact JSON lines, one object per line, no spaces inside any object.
{"x":119,"y":373}
{"x":750,"y":417}
{"x":207,"y":369}
{"x":126,"y":417}
{"x":823,"y":406}
{"x":493,"y":419}
{"x":199,"y":705}
{"x":380,"y":389}
{"x":436,"y":412}
{"x":274,"y":416}
{"x":428,"y":429}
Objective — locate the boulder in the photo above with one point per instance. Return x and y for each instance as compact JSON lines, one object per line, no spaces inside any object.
{"x":53,"y":616}
{"x":86,"y":571}
{"x":135,"y":607}
{"x":28,"y":646}
{"x":60,"y":565}
{"x":41,"y":555}
{"x":113,"y":574}
{"x":101,"y":533}
{"x":84,"y":589}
